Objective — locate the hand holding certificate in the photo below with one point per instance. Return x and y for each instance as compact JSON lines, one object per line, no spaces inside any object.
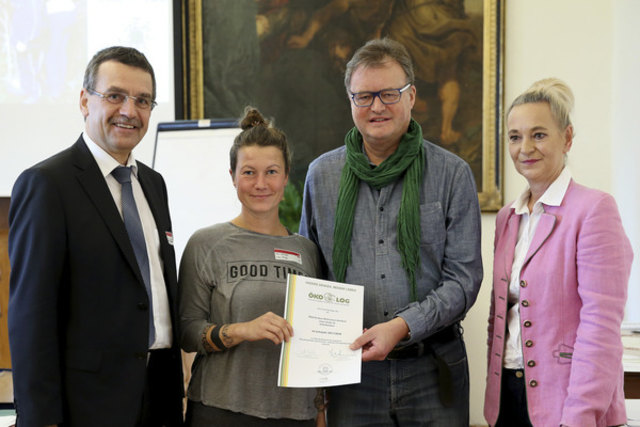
{"x":326,"y":318}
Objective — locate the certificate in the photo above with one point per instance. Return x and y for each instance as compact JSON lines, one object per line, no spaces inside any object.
{"x":326,"y":318}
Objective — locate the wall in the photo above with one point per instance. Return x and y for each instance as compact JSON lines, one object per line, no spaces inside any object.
{"x":43,"y":54}
{"x":625,"y":128}
{"x":593,"y":46}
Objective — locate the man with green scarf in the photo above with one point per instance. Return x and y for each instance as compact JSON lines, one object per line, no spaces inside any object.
{"x":399,"y":215}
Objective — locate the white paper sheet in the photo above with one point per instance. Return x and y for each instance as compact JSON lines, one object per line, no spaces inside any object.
{"x":326,"y":317}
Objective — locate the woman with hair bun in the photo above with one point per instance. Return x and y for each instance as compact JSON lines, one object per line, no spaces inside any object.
{"x":560,"y":272}
{"x":232,"y":293}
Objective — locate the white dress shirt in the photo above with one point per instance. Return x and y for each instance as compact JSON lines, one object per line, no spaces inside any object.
{"x":161,"y":313}
{"x":528,"y":223}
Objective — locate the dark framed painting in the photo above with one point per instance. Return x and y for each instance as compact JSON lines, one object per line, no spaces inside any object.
{"x":287,"y":58}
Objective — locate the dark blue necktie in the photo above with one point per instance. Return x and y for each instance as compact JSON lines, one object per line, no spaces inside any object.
{"x":134,"y":228}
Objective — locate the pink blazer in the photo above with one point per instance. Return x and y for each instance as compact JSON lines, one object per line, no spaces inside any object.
{"x":573,"y":290}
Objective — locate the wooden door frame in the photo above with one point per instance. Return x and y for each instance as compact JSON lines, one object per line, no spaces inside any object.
{"x":5,"y":357}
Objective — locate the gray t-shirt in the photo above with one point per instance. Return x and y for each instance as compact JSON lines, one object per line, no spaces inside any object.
{"x":228,"y":275}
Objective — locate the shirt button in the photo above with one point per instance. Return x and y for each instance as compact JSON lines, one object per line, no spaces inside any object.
{"x":531,"y":363}
{"x":528,"y":343}
{"x":523,"y":283}
{"x":533,"y":383}
{"x":519,"y":374}
{"x":381,"y":208}
{"x":381,"y":241}
{"x":525,"y":303}
{"x":527,"y":323}
{"x":386,"y":313}
{"x":382,"y":276}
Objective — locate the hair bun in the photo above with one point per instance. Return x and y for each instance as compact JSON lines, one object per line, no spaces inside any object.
{"x":556,"y":89}
{"x":252,"y":118}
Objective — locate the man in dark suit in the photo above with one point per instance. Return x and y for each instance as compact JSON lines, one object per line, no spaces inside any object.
{"x":92,"y":308}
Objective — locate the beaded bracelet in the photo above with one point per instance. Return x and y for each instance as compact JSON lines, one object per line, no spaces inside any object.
{"x":206,"y":342}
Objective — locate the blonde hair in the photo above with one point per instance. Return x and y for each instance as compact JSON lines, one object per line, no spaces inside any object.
{"x":554,"y":92}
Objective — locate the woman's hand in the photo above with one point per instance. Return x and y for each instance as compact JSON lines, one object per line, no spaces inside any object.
{"x":269,"y":326}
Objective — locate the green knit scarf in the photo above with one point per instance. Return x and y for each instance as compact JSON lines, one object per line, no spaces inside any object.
{"x":408,"y":159}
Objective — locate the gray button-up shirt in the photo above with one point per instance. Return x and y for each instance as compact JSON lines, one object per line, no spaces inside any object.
{"x":450,"y":271}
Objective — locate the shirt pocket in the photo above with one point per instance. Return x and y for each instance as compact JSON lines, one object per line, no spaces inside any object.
{"x":432,"y":226}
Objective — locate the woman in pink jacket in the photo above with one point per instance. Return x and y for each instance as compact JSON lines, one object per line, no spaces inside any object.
{"x":561,"y":266}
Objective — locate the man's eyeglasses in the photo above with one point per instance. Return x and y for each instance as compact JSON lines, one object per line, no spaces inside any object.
{"x":387,"y":96}
{"x":117,"y":98}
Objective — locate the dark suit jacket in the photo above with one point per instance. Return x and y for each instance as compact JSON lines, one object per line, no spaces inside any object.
{"x":78,"y":320}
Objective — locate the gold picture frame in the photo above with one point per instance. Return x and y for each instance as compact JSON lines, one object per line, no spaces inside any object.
{"x":200,"y":48}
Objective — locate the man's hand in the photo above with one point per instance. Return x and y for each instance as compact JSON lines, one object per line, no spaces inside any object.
{"x":380,"y":339}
